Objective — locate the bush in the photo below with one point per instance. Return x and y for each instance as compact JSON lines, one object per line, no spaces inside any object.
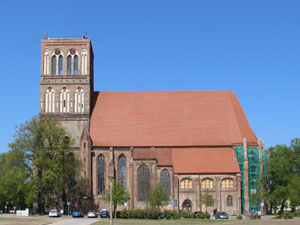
{"x":152,"y":214}
{"x":239,"y":217}
{"x":125,"y":214}
{"x":186,"y":215}
{"x":138,"y":214}
{"x":287,"y":215}
{"x":207,"y":215}
{"x":201,"y":215}
{"x":171,"y":214}
{"x":118,"y":215}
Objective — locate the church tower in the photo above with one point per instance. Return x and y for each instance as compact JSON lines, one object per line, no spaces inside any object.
{"x":66,"y":84}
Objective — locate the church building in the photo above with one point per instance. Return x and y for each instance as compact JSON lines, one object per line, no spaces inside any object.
{"x":189,"y":142}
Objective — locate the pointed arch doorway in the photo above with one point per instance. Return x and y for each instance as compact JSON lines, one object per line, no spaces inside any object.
{"x":187,"y":205}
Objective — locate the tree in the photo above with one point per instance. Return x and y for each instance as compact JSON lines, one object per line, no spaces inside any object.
{"x":14,"y":179}
{"x":118,"y":196}
{"x":207,"y":199}
{"x":49,"y":155}
{"x":158,"y":197}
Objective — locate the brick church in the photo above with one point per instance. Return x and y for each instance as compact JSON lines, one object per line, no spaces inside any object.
{"x":191,"y":142}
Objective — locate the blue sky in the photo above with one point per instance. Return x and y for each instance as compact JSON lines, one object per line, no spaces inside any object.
{"x":251,"y":47}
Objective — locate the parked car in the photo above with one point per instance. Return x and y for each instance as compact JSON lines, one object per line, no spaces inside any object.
{"x":54,"y":213}
{"x":253,"y":214}
{"x":221,"y":215}
{"x":104,"y":213}
{"x":92,"y":214}
{"x":77,"y":213}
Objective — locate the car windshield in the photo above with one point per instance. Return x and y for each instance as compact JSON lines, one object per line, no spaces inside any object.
{"x":53,"y":211}
{"x":91,"y":211}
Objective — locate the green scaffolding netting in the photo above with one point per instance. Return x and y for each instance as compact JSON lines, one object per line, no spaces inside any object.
{"x":253,"y":176}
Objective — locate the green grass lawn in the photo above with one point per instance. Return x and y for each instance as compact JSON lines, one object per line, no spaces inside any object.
{"x":163,"y":222}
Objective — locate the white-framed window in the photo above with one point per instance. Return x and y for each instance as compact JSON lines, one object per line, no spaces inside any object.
{"x":79,"y":101}
{"x":46,"y":62}
{"x":84,"y":62}
{"x":49,"y":100}
{"x":64,"y":100}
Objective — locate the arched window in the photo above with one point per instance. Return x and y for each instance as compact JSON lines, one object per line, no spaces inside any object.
{"x":165,"y":181}
{"x":54,"y":65}
{"x":229,"y":201}
{"x":186,"y":183}
{"x":207,"y":183}
{"x":143,"y":182}
{"x":69,"y":65}
{"x":46,"y":62}
{"x":64,"y":100}
{"x":122,"y":171}
{"x":187,"y":205}
{"x":84,"y":62}
{"x":75,"y":65}
{"x":50,"y":100}
{"x":101,"y":174}
{"x":60,"y":65}
{"x":79,"y":100}
{"x":227,"y":183}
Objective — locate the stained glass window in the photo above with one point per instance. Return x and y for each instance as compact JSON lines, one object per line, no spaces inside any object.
{"x":122,"y":171}
{"x":165,"y":182}
{"x":101,"y":174}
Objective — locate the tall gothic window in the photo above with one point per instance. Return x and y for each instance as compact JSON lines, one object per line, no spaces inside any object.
{"x":46,"y":62}
{"x":75,"y":65}
{"x":165,"y":181}
{"x":64,"y":101}
{"x":79,"y":100}
{"x":69,"y":65}
{"x":54,"y":65}
{"x":84,"y":62}
{"x":143,"y":182}
{"x":101,"y":174}
{"x":122,"y":171}
{"x":229,"y":201}
{"x":50,"y":100}
{"x":60,"y":65}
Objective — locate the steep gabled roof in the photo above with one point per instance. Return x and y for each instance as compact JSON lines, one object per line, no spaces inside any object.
{"x":168,"y":118}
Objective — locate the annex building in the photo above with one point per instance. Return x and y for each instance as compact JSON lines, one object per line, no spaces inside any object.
{"x":191,"y":142}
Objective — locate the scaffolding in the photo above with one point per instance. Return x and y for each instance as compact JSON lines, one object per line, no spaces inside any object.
{"x":253,"y":176}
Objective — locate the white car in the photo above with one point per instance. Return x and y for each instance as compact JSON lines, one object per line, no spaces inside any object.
{"x":92,"y":214}
{"x":54,"y":213}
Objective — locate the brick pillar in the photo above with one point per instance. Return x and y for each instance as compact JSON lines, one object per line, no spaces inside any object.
{"x":176,"y":191}
{"x":218,"y":194}
{"x":238,"y":196}
{"x":246,"y":177}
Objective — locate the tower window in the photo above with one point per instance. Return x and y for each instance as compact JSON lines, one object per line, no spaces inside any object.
{"x":64,"y":99}
{"x":79,"y":100}
{"x":50,"y":100}
{"x":75,"y":65}
{"x":54,"y":65}
{"x":60,"y":65}
{"x":69,"y":65}
{"x":84,"y":62}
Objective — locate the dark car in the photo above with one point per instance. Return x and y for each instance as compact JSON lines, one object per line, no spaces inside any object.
{"x":77,"y":213}
{"x":221,"y":215}
{"x":104,"y":213}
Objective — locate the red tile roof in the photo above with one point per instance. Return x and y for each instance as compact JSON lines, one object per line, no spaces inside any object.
{"x":163,"y":156}
{"x":168,"y":118}
{"x":204,"y":160}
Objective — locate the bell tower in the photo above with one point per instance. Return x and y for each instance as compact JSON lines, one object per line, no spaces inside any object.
{"x":66,"y":84}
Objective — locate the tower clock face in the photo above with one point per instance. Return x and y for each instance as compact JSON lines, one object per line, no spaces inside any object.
{"x":57,"y":52}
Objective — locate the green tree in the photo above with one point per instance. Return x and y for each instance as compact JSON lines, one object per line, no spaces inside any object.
{"x":118,"y":196}
{"x":14,"y":179}
{"x":158,"y":197}
{"x":207,"y":199}
{"x":49,"y":154}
